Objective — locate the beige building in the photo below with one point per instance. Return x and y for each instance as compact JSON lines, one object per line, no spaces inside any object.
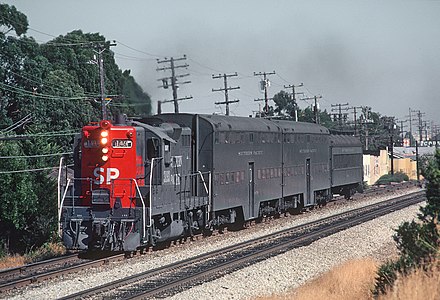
{"x":404,"y":161}
{"x":375,"y":166}
{"x":407,"y":166}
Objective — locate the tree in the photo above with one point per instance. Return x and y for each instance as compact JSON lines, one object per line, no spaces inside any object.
{"x":75,"y":53}
{"x":284,"y":105}
{"x":137,"y":101}
{"x":47,"y":89}
{"x":418,"y":241}
{"x":12,"y":20}
{"x":17,"y":198}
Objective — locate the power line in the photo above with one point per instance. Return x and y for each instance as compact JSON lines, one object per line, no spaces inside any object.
{"x":28,"y":136}
{"x":293,"y":97}
{"x":31,"y":170}
{"x":339,"y":116}
{"x":204,"y":66}
{"x":38,"y":95}
{"x":140,"y":51}
{"x":38,"y":82}
{"x":315,"y":107}
{"x":17,"y":124}
{"x":264,"y":85}
{"x":35,"y":156}
{"x":173,"y":81}
{"x":226,"y":89}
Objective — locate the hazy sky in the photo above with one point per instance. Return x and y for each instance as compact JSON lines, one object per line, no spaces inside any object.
{"x":384,"y":54}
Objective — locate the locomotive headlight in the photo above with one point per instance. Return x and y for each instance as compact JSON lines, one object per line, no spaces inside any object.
{"x":104,"y":140}
{"x":104,"y":133}
{"x":104,"y":150}
{"x":104,"y":157}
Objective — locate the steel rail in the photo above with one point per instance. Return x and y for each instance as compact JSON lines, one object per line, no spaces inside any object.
{"x":56,"y":266}
{"x":245,"y":253}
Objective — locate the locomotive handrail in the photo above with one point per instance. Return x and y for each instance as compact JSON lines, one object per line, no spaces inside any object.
{"x":208,"y":191}
{"x":59,"y":195}
{"x":203,"y":180}
{"x":143,"y":205}
{"x":60,"y":207}
{"x":151,"y":191}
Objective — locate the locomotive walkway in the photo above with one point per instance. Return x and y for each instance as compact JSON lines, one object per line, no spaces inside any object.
{"x":171,"y":279}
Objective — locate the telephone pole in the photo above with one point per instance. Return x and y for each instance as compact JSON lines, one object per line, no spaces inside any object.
{"x":173,"y":80}
{"x":226,"y":89}
{"x":295,"y":106}
{"x":354,"y":108}
{"x":99,"y":48}
{"x":315,"y":107}
{"x":264,"y":84}
{"x":419,"y":116}
{"x":402,"y":129}
{"x":339,"y":114}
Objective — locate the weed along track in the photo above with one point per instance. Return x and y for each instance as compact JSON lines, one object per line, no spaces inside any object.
{"x":174,"y":278}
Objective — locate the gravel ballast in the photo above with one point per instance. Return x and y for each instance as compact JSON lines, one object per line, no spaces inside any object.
{"x":275,"y":275}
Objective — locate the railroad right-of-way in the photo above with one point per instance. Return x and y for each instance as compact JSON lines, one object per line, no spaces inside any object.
{"x":117,"y":271}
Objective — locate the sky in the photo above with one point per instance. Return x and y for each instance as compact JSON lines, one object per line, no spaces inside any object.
{"x":382,"y":54}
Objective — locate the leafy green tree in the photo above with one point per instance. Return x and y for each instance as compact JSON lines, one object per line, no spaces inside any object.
{"x":284,"y":105}
{"x":137,"y":101}
{"x":418,"y":242}
{"x":12,"y":20}
{"x":17,"y":198}
{"x":308,"y":115}
{"x":76,"y":53}
{"x":50,"y":89}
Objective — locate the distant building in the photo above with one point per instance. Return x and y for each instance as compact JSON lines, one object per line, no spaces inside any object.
{"x":377,"y":164}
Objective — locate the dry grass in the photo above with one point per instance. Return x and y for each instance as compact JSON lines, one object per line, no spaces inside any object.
{"x":417,"y":285}
{"x":12,"y":261}
{"x":353,"y":280}
{"x":47,"y":251}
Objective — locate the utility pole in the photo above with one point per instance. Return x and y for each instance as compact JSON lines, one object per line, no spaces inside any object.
{"x":295,"y":106}
{"x":425,"y":129}
{"x":401,"y":131}
{"x":354,"y":108}
{"x":264,"y":84}
{"x":226,"y":89}
{"x":420,"y":124}
{"x":410,"y":126}
{"x":391,"y":125}
{"x":338,"y":109}
{"x":99,"y":48}
{"x":411,"y":120}
{"x":315,"y":107}
{"x":365,"y":120}
{"x":173,"y":78}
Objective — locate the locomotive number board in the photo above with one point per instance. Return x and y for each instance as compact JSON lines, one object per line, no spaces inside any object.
{"x":122,"y":143}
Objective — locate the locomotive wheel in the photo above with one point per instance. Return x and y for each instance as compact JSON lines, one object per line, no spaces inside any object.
{"x":129,"y":254}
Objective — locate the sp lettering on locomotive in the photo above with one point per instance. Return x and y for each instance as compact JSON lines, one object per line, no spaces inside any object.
{"x":105,"y":175}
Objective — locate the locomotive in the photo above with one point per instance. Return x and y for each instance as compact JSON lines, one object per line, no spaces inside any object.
{"x":142,"y":182}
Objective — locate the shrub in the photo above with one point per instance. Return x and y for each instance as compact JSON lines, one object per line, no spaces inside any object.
{"x":388,"y":178}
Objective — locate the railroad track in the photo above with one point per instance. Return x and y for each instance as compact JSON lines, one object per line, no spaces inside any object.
{"x":36,"y":272}
{"x":171,"y":279}
{"x":56,"y":267}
